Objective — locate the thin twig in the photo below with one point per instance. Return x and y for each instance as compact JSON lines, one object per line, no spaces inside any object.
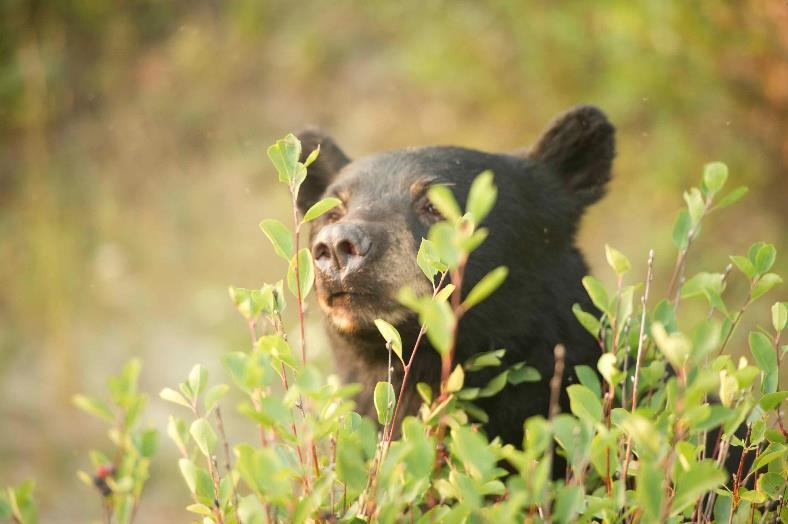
{"x":408,"y":366}
{"x":639,"y":359}
{"x":554,"y":407}
{"x":227,"y":460}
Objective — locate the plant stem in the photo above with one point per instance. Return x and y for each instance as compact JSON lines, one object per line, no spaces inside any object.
{"x":674,"y":287}
{"x":408,"y":366}
{"x":447,"y":360}
{"x":227,"y":460}
{"x":639,"y":358}
{"x":738,"y":317}
{"x":554,"y":408}
{"x":296,"y":236}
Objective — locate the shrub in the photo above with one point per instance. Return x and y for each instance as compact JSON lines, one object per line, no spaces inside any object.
{"x":636,"y":442}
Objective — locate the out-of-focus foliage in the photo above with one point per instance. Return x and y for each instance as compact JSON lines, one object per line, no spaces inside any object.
{"x":132,"y":154}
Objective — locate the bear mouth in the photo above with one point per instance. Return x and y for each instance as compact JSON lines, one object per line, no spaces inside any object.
{"x":343,"y":299}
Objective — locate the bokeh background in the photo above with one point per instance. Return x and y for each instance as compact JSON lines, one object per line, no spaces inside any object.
{"x":133,"y":171}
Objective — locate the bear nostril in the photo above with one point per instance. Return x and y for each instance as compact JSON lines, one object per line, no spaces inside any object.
{"x":321,"y":251}
{"x":348,"y":248}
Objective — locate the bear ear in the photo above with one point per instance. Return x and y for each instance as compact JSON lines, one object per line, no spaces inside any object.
{"x":579,"y":147}
{"x":323,"y":170}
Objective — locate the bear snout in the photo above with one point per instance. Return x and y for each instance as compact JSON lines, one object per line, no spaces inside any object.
{"x":340,"y":249}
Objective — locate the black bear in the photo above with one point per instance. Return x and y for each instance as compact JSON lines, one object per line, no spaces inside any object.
{"x":365,"y":251}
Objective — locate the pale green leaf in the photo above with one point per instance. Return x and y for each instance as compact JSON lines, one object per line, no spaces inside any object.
{"x":306,"y":274}
{"x":481,"y":196}
{"x":486,"y":286}
{"x":203,"y":434}
{"x":320,"y":208}
{"x":444,"y":201}
{"x":392,"y":337}
{"x":384,"y":398}
{"x":280,"y":237}
{"x":93,"y":406}
{"x":714,"y":176}
{"x":617,"y":260}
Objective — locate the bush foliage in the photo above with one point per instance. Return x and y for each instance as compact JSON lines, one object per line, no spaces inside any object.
{"x":636,"y":442}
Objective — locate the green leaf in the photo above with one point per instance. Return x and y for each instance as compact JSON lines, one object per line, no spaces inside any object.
{"x":608,"y":369}
{"x":214,"y":395}
{"x":589,"y":379}
{"x":772,"y":484}
{"x":425,"y":392}
{"x":518,"y":375}
{"x":350,"y":465}
{"x":21,"y":503}
{"x":278,"y":349}
{"x":201,"y":509}
{"x":666,"y":315}
{"x":280,"y":237}
{"x":695,"y":205}
{"x":312,"y":156}
{"x":568,"y":503}
{"x":306,"y":274}
{"x":764,"y":284}
{"x":617,"y":260}
{"x":769,"y":455}
{"x":320,"y":208}
{"x":584,"y":403}
{"x":649,"y":492}
{"x":675,"y":346}
{"x":779,"y":316}
{"x":478,"y":237}
{"x":456,"y":380}
{"x":428,"y":259}
{"x":698,"y":284}
{"x":771,"y":400}
{"x":700,"y":478}
{"x":745,"y":265}
{"x":198,"y":377}
{"x":714,"y":176}
{"x":444,"y":237}
{"x":176,"y":430}
{"x":763,"y":352}
{"x":705,"y":339}
{"x":445,"y":292}
{"x":189,"y":472}
{"x":732,"y":197}
{"x":284,"y":156}
{"x":204,"y":436}
{"x":495,"y":385}
{"x":473,"y":452}
{"x":385,"y":400}
{"x":681,"y":229}
{"x":597,"y":293}
{"x":486,"y":286}
{"x":146,"y":442}
{"x":271,"y":412}
{"x":587,"y":320}
{"x":93,"y":406}
{"x":444,"y":201}
{"x":440,"y":321}
{"x":392,"y":337}
{"x":764,"y":259}
{"x":486,"y":359}
{"x":481,"y":196}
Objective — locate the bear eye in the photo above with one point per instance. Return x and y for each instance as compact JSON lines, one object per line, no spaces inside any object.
{"x":335,"y":214}
{"x":431,"y":211}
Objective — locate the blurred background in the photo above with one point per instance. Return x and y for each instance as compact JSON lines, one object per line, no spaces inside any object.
{"x":133,"y":171}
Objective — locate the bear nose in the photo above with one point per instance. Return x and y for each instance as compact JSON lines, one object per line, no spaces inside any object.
{"x":340,"y":247}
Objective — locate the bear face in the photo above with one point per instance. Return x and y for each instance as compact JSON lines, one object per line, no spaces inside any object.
{"x":365,"y":252}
